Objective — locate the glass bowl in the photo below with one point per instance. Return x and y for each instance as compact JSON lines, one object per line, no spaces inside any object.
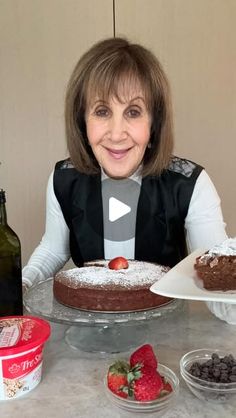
{"x":202,"y":389}
{"x":161,"y":404}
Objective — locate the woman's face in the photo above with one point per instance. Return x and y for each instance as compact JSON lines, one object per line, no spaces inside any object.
{"x":119,"y":133}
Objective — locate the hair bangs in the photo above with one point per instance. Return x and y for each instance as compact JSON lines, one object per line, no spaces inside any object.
{"x":119,"y":80}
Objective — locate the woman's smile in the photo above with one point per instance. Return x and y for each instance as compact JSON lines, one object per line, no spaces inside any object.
{"x":118,"y":154}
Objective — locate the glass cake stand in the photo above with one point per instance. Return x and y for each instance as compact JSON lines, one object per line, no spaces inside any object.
{"x":103,"y":332}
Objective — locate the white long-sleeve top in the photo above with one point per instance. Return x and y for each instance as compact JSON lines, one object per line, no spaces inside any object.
{"x":204,"y":228}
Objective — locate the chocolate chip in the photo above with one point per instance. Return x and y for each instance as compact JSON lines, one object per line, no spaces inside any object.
{"x":233,"y":371}
{"x":223,"y":366}
{"x":216,"y":373}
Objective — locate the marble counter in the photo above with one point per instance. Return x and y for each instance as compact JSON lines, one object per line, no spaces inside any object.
{"x":72,"y":383}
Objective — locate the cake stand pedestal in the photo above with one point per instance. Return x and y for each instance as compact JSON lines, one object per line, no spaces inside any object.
{"x":97,"y":332}
{"x":104,"y":339}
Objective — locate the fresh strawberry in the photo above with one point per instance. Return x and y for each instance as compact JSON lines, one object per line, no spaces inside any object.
{"x":118,"y":263}
{"x":117,"y":378}
{"x":145,"y":383}
{"x":144,"y":355}
{"x":166,"y":385}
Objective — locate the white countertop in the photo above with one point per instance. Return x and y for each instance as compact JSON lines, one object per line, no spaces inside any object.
{"x":72,"y":382}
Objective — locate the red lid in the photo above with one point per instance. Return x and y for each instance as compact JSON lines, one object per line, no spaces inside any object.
{"x":22,"y":333}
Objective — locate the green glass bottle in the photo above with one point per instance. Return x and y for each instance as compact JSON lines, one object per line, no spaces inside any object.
{"x":10,"y":266}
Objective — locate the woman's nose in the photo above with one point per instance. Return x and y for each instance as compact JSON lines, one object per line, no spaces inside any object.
{"x":118,"y":128}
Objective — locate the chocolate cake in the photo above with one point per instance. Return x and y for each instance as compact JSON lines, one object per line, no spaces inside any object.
{"x":217,"y":267}
{"x":95,"y":287}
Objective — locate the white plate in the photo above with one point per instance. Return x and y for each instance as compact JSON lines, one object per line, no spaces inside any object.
{"x":181,"y":282}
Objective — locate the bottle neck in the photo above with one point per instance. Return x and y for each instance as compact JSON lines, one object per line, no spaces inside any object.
{"x":3,"y":214}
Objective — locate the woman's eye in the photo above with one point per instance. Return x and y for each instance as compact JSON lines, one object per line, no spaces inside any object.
{"x":101,"y":112}
{"x":134,"y":112}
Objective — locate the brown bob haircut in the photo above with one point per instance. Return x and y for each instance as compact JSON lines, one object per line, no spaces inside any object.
{"x":106,"y":69}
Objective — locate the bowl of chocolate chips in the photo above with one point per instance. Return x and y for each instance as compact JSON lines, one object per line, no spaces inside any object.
{"x":210,"y":374}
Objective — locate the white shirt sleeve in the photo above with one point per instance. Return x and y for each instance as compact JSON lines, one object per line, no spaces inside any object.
{"x":204,"y":221}
{"x":205,"y":227}
{"x":53,"y":251}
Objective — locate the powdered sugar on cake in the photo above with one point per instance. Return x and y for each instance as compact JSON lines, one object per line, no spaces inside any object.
{"x":226,"y":248}
{"x":97,"y":273}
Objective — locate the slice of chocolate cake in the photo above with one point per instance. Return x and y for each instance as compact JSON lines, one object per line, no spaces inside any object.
{"x":217,"y":267}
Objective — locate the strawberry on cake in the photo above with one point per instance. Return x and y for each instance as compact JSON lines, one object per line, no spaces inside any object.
{"x":116,"y":285}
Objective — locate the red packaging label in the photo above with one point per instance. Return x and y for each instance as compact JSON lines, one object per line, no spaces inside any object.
{"x":22,"y":365}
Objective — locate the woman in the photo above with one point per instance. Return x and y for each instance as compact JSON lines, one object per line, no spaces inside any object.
{"x":119,"y":127}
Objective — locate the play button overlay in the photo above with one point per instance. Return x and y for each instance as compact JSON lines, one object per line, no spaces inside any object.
{"x":120,"y":200}
{"x":117,"y":209}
